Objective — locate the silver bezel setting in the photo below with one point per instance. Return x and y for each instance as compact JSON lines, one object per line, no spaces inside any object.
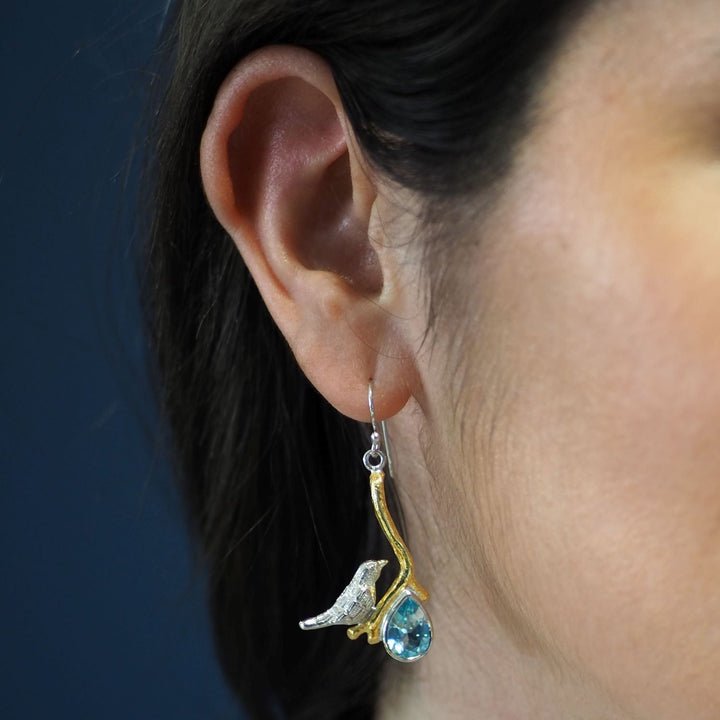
{"x":386,"y":619}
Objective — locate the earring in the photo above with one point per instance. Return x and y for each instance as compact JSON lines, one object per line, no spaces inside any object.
{"x":398,"y":620}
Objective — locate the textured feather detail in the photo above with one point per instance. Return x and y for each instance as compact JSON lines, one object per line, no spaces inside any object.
{"x":355,"y":603}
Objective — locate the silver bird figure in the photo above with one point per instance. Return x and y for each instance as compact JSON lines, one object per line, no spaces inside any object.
{"x":356,"y":601}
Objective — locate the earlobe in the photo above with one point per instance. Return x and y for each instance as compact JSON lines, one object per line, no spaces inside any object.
{"x":283,"y":177}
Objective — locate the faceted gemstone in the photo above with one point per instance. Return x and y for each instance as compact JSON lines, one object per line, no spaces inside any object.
{"x":407,"y":633}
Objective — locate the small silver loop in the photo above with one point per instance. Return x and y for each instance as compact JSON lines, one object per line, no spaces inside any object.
{"x":379,"y":455}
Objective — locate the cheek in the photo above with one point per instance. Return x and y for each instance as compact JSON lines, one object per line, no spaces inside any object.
{"x":609,"y":336}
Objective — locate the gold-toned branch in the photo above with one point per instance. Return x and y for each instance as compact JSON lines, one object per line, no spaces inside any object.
{"x":406,"y":576}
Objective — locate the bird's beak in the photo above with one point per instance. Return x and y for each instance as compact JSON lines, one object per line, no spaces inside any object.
{"x":382,"y":563}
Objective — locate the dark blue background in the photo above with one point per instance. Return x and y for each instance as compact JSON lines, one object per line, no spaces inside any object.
{"x":101,"y":612}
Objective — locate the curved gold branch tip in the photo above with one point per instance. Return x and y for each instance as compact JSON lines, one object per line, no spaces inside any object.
{"x":405,"y":583}
{"x":398,"y":620}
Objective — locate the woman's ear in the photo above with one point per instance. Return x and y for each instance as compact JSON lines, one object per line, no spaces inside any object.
{"x":282,"y":174}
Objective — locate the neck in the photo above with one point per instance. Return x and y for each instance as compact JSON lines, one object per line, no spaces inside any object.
{"x":477,"y":667}
{"x":469,"y":675}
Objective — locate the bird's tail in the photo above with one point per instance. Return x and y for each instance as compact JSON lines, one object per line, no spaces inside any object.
{"x":322,"y":620}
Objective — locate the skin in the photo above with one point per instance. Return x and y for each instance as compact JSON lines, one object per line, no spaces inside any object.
{"x":557,"y":442}
{"x":600,"y":498}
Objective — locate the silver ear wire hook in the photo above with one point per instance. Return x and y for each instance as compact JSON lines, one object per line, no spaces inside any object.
{"x":371,"y":405}
{"x":383,"y":426}
{"x":375,"y":452}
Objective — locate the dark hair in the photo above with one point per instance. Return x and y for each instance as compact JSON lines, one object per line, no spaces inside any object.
{"x":438,"y":93}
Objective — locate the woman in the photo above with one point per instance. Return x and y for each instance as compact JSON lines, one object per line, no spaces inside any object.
{"x":507,"y":215}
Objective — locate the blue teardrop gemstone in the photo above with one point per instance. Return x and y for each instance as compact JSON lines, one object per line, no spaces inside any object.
{"x":407,"y":632}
